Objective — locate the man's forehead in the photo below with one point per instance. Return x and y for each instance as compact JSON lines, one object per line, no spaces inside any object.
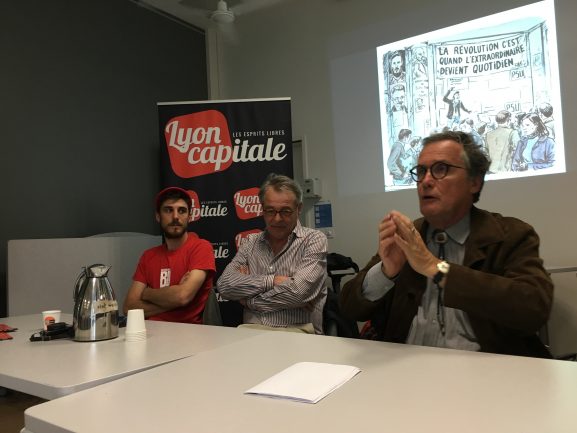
{"x":174,"y":203}
{"x":279,"y":195}
{"x":272,"y":195}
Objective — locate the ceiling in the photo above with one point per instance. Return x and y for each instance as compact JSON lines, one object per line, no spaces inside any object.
{"x":197,"y":12}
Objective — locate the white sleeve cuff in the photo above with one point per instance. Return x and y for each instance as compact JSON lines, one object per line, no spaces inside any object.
{"x":375,"y":284}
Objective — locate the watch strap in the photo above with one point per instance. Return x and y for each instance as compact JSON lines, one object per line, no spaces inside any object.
{"x":438,"y":277}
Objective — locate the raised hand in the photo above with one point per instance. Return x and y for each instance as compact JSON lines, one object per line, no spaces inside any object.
{"x":409,"y":240}
{"x":392,"y":256}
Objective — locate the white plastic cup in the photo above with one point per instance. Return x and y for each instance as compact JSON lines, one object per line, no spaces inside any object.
{"x":135,"y":321}
{"x":49,"y":317}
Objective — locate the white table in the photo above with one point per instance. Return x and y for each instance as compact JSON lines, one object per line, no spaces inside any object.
{"x":51,"y":369}
{"x":401,"y":389}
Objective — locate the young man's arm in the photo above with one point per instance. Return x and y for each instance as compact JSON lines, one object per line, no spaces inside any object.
{"x":177,"y":295}
{"x":134,"y":300}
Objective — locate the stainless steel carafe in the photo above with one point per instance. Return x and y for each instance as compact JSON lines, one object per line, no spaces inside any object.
{"x":95,"y":306}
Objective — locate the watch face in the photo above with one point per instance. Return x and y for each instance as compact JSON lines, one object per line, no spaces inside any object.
{"x":443,"y":267}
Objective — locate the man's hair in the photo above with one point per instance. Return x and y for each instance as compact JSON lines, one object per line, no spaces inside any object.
{"x":173,"y":193}
{"x":397,"y":88}
{"x":476,"y":161}
{"x":279,"y":182}
{"x":502,"y":116}
{"x":546,"y":109}
{"x":404,"y":133}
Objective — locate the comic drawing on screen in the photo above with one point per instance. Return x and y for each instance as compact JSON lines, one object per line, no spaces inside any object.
{"x":496,"y":78}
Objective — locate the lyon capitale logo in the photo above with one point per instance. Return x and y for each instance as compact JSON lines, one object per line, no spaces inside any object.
{"x":200,"y":143}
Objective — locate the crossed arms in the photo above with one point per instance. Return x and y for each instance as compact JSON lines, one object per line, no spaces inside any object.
{"x":248,"y":280}
{"x":156,"y":301}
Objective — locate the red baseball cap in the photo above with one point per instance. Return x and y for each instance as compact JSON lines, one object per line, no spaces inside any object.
{"x":175,"y":191}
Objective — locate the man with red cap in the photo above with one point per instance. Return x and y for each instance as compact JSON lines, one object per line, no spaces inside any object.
{"x":172,"y":281}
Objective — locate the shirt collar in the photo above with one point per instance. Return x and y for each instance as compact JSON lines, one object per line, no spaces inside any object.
{"x":298,"y":230}
{"x":458,"y":232}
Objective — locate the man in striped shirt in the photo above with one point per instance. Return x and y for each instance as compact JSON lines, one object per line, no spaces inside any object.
{"x":278,"y":275}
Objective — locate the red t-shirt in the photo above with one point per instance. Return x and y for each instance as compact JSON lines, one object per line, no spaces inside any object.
{"x":159,"y":267}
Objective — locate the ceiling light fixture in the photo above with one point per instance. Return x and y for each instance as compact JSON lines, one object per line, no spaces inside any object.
{"x":222,"y":14}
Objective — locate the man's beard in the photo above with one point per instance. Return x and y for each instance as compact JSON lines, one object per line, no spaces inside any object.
{"x":174,"y":235}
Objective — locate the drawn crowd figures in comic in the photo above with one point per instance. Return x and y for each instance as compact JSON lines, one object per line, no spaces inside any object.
{"x":502,"y":142}
{"x":546,"y":114}
{"x":499,"y":87}
{"x":399,"y":111}
{"x":412,"y":154}
{"x":468,"y":126}
{"x":453,"y":99}
{"x":398,"y":157}
{"x":535,"y":150}
{"x":420,"y":65}
{"x":397,"y":68}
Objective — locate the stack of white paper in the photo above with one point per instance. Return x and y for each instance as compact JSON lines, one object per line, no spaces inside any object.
{"x":307,"y":382}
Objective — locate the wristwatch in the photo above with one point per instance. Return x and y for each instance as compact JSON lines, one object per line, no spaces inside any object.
{"x":442,"y":270}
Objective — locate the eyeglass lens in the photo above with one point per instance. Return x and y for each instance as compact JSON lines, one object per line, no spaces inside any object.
{"x":285,"y":213}
{"x":438,"y":170}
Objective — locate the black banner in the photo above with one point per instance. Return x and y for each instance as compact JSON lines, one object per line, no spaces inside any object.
{"x":220,"y":152}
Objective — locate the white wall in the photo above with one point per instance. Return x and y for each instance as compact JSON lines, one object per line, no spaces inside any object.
{"x":288,"y":51}
{"x":42,"y":273}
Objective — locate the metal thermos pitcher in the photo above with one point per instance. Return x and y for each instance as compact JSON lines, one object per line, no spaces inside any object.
{"x":95,"y":307}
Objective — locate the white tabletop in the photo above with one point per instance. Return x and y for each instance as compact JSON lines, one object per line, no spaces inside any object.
{"x":401,"y":389}
{"x":51,"y":369}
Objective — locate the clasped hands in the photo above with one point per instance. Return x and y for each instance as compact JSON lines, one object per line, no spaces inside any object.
{"x":399,"y":242}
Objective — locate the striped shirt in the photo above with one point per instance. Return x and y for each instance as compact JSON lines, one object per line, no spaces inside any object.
{"x":296,"y":301}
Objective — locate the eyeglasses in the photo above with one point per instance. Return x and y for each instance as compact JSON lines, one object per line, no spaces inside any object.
{"x":438,"y":170}
{"x":284,"y":213}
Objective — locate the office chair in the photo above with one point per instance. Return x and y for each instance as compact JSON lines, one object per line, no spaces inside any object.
{"x":338,"y":266}
{"x":558,"y":334}
{"x":211,"y":314}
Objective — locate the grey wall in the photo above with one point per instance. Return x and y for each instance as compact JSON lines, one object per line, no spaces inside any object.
{"x":79,"y":82}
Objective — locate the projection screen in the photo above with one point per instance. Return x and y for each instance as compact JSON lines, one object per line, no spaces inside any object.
{"x":495,"y":77}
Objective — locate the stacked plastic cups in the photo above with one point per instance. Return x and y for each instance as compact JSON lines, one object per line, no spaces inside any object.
{"x":135,"y":326}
